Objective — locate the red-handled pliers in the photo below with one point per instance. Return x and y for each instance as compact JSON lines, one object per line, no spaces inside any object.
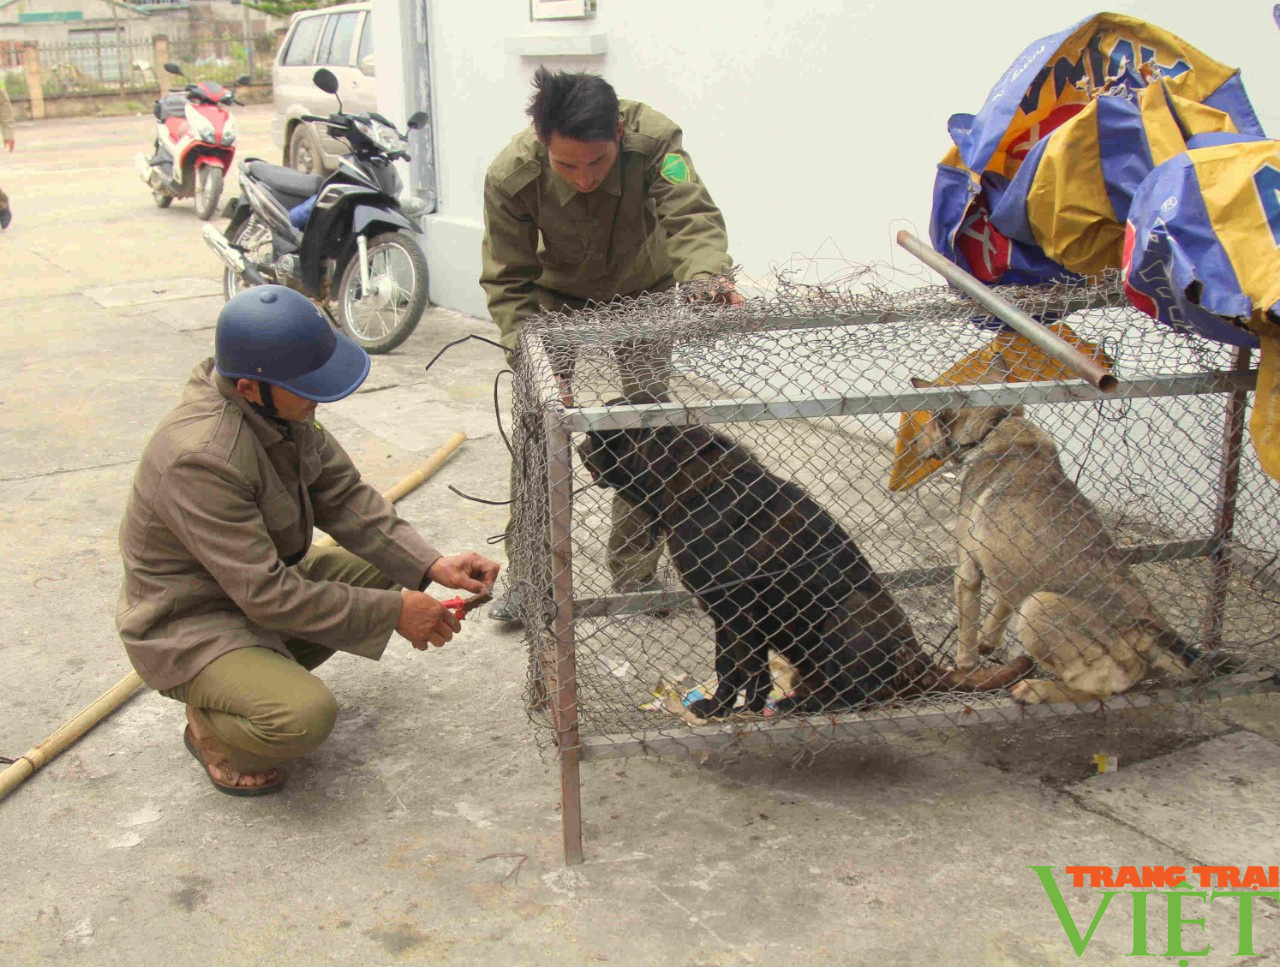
{"x":460,"y":606}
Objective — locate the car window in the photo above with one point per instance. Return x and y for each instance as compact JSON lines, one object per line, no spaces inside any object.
{"x":335,"y":49}
{"x":366,"y":39}
{"x":302,"y":46}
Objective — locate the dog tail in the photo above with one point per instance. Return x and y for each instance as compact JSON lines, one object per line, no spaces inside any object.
{"x":986,"y":679}
{"x":1198,"y":664}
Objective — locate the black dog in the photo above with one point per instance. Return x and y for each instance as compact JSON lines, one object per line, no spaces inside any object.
{"x":775,"y":570}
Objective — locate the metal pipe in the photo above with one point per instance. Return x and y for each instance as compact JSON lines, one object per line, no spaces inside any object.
{"x":1040,"y":336}
{"x":815,"y":405}
{"x":564,"y":700}
{"x":779,"y":733}
{"x":1228,"y":495}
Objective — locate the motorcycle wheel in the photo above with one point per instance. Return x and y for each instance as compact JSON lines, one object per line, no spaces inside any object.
{"x":251,"y":238}
{"x":382,"y":318}
{"x":208,"y":191}
{"x":161,"y":199}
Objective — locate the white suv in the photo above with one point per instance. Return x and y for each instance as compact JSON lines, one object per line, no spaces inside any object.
{"x":341,"y":39}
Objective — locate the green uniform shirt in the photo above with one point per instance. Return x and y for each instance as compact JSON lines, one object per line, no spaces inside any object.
{"x":650,"y":219}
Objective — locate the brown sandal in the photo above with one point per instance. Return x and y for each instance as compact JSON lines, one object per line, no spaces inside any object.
{"x":207,"y":752}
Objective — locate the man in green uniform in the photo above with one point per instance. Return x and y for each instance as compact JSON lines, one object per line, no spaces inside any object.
{"x":6,"y":135}
{"x":226,"y":604}
{"x":597,"y":199}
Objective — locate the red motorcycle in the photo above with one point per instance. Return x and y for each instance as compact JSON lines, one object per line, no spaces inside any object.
{"x":195,"y":144}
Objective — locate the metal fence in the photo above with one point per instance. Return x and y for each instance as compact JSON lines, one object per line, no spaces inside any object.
{"x":96,"y":67}
{"x":1123,"y":551}
{"x":225,"y":59}
{"x":106,"y":65}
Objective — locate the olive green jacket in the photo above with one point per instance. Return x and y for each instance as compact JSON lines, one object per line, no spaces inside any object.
{"x":221,"y":513}
{"x":650,"y":219}
{"x":6,"y":116}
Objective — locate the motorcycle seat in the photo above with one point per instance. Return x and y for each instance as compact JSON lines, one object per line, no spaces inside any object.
{"x":285,"y":181}
{"x":172,"y":105}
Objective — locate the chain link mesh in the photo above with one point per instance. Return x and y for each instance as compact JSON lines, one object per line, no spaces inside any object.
{"x":803,"y":391}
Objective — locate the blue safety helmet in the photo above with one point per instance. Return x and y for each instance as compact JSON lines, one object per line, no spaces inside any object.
{"x":274,"y":334}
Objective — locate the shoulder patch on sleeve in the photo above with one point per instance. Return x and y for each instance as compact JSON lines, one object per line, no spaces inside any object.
{"x":515,"y":166}
{"x":524,"y":174}
{"x":675,"y":169}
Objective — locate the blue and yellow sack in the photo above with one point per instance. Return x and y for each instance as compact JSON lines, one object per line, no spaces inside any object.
{"x":1072,"y":194}
{"x":1202,"y":243}
{"x":1051,"y":82}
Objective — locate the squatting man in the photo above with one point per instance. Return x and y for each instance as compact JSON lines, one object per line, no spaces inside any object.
{"x":226,"y":604}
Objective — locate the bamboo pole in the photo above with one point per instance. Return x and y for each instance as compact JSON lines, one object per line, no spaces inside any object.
{"x":119,"y":693}
{"x":108,"y":702}
{"x":412,"y":481}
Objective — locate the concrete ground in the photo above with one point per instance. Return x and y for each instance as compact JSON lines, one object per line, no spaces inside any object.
{"x":427,"y":830}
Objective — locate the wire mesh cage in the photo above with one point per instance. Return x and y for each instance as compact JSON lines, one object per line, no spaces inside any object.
{"x":719,"y":537}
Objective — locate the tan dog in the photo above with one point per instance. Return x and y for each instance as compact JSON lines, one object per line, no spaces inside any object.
{"x":1041,"y":548}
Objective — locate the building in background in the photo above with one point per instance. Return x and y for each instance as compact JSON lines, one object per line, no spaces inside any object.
{"x":87,"y":46}
{"x":818,"y":124}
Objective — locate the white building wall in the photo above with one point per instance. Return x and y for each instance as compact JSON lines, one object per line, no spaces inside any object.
{"x":816,"y":124}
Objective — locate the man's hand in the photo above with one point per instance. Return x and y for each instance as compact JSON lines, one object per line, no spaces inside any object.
{"x":465,"y":572}
{"x":8,"y":143}
{"x":718,"y":289}
{"x":424,"y":620}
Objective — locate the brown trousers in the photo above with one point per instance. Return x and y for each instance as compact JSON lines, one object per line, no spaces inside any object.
{"x":266,"y":708}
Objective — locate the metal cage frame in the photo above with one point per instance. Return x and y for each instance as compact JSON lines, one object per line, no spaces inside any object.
{"x":553,"y":647}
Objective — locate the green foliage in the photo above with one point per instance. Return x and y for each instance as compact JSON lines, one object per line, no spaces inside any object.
{"x":15,"y":83}
{"x":287,"y":8}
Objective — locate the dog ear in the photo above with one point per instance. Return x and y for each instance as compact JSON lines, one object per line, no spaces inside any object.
{"x":945,"y":420}
{"x":672,"y":442}
{"x":685,"y":443}
{"x":1000,"y":368}
{"x":602,"y":452}
{"x":918,"y":383}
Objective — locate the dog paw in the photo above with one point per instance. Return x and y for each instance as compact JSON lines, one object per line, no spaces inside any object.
{"x":1027,"y":691}
{"x":706,"y":708}
{"x":787,"y":705}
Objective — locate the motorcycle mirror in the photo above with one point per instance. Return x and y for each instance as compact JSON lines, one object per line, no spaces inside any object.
{"x":326,"y":80}
{"x":243,"y":79}
{"x":173,"y":69}
{"x":417,"y":119}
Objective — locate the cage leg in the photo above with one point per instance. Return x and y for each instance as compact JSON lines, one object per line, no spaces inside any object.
{"x":1228,"y":493}
{"x":565,"y":696}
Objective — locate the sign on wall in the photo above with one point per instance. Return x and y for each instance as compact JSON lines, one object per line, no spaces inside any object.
{"x":561,"y":9}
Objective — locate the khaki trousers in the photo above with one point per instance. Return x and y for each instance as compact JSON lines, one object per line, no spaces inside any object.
{"x":643,"y":366}
{"x":266,"y":708}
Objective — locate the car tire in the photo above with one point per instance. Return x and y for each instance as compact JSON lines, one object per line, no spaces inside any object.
{"x":304,"y":150}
